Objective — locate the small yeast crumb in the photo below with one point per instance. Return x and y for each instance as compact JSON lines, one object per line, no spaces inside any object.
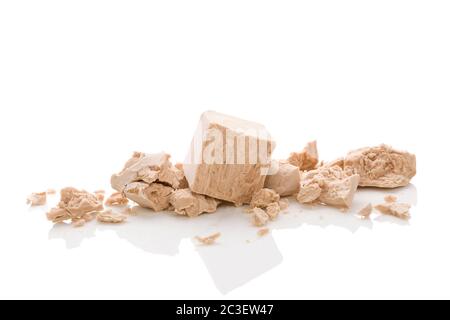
{"x":78,"y":223}
{"x":273,"y":210}
{"x":108,"y":216}
{"x":262,"y":232}
{"x":37,"y":199}
{"x":209,"y":240}
{"x":365,"y":212}
{"x":398,"y":210}
{"x":116,"y":199}
{"x":259,"y":217}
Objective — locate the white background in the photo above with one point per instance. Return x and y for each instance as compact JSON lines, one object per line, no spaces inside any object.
{"x":85,"y":83}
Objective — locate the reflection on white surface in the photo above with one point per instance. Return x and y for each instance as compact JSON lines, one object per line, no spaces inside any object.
{"x":239,"y":255}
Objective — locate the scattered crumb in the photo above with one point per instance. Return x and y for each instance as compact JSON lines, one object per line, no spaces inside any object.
{"x":309,"y":193}
{"x":273,"y":210}
{"x":209,"y":240}
{"x":328,"y":185}
{"x":108,"y":216}
{"x":399,"y":210}
{"x":37,"y":199}
{"x":284,"y":204}
{"x":248,"y":241}
{"x":78,"y":223}
{"x":51,"y":191}
{"x":74,"y":204}
{"x":365,"y":212}
{"x":390,"y":198}
{"x":116,"y":199}
{"x":259,"y":217}
{"x":187,"y":203}
{"x":262,"y":232}
{"x":264,"y":198}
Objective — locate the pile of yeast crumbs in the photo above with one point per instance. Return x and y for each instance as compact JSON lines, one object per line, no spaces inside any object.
{"x":230,"y":163}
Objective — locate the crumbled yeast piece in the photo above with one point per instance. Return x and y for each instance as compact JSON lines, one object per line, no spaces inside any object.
{"x":273,"y":210}
{"x":74,"y":204}
{"x":340,"y":193}
{"x":381,"y":166}
{"x":262,"y":232}
{"x":147,"y":168}
{"x":78,"y":223}
{"x":209,"y":240}
{"x":399,"y":210}
{"x":309,"y":192}
{"x":390,"y":198}
{"x":286,"y":180}
{"x":116,"y":199}
{"x":185,"y":202}
{"x":229,"y":158}
{"x":155,"y":196}
{"x":284,"y":204}
{"x":108,"y":216}
{"x":365,"y":212}
{"x":306,"y":159}
{"x":148,"y":179}
{"x":58,"y":215}
{"x":263,"y":198}
{"x":329,"y":185}
{"x":37,"y":199}
{"x":51,"y":191}
{"x":259,"y":217}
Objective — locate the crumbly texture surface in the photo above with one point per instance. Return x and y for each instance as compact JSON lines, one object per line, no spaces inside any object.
{"x":259,"y":217}
{"x":264,"y":198}
{"x":399,"y":210}
{"x":116,"y":199}
{"x":286,"y":180}
{"x":155,"y":196}
{"x":216,"y":167}
{"x":209,"y":240}
{"x":37,"y":199}
{"x":108,"y":216}
{"x":186,"y":203}
{"x":148,"y":180}
{"x":263,"y":232}
{"x":273,"y":210}
{"x":382,"y":166}
{"x":329,"y":185}
{"x":74,"y":204}
{"x":307,"y":159}
{"x":78,"y":223}
{"x":309,"y":192}
{"x":365,"y":212}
